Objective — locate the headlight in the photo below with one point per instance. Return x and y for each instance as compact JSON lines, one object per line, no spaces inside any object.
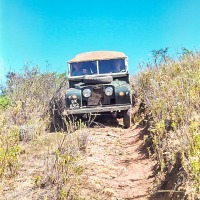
{"x":109,"y":91}
{"x":87,"y":92}
{"x":121,"y":94}
{"x":74,"y":96}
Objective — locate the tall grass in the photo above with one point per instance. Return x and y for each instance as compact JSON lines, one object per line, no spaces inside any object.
{"x":30,"y":93}
{"x":171,"y":93}
{"x":32,"y":102}
{"x":24,"y":112}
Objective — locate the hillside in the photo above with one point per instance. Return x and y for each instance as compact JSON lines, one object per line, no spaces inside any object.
{"x":157,"y":158}
{"x":170,"y":90}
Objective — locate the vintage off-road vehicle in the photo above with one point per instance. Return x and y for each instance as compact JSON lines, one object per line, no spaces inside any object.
{"x":99,"y":84}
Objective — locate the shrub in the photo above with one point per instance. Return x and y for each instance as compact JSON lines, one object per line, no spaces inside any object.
{"x":9,"y":149}
{"x":4,"y":102}
{"x":30,"y":93}
{"x":24,"y":112}
{"x":171,"y":93}
{"x":63,"y":165}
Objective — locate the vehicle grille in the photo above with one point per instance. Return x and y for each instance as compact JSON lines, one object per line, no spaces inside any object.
{"x":97,"y":97}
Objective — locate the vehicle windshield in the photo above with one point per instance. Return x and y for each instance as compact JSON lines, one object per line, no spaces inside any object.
{"x":83,"y":68}
{"x":104,"y":67}
{"x":112,"y":66}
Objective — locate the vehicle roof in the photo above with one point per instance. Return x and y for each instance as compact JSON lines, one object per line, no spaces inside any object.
{"x":97,"y":55}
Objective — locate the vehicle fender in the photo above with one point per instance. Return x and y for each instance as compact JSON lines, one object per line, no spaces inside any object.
{"x":70,"y":93}
{"x":126,"y":98}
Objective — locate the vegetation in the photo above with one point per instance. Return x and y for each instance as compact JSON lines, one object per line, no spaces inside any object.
{"x":4,"y":102}
{"x":170,"y":91}
{"x":9,"y":149}
{"x":30,"y":106}
{"x":63,"y":165}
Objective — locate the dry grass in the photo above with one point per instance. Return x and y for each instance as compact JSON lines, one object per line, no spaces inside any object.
{"x":24,"y":112}
{"x":171,"y":107}
{"x":25,"y":116}
{"x":63,"y":167}
{"x":171,"y":94}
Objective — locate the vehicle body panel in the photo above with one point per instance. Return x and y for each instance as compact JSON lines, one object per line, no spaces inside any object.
{"x":98,"y":96}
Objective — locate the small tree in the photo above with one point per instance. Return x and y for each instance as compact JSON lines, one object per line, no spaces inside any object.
{"x":160,"y":55}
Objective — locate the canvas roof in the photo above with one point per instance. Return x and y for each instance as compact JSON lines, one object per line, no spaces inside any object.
{"x":97,"y":55}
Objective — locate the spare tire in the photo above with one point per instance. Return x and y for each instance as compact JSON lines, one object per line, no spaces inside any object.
{"x":97,"y":79}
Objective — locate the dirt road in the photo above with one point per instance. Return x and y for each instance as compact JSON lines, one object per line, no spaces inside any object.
{"x":114,"y":167}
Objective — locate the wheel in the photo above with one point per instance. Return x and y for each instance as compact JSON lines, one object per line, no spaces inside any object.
{"x":127,"y":118}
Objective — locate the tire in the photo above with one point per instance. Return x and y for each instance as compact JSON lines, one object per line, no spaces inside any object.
{"x":127,"y":119}
{"x":97,"y":80}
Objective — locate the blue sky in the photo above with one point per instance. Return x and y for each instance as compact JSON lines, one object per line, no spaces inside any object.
{"x":36,"y":31}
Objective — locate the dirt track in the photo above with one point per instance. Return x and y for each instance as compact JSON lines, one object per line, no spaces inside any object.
{"x":115,"y":167}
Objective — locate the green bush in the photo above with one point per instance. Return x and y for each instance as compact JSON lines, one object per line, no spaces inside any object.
{"x":4,"y":102}
{"x":9,"y":149}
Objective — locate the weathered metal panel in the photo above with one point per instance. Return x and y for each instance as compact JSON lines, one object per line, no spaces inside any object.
{"x":97,"y":55}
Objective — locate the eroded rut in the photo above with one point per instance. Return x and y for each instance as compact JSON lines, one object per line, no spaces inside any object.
{"x":116,"y":166}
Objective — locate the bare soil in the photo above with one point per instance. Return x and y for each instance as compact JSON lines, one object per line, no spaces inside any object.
{"x":115,"y":166}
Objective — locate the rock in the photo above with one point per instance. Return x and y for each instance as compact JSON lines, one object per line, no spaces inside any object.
{"x":109,"y":191}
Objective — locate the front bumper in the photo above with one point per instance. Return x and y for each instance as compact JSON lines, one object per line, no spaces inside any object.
{"x":99,"y":109}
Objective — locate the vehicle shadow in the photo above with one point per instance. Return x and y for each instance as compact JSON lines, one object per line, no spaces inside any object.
{"x":103,"y":121}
